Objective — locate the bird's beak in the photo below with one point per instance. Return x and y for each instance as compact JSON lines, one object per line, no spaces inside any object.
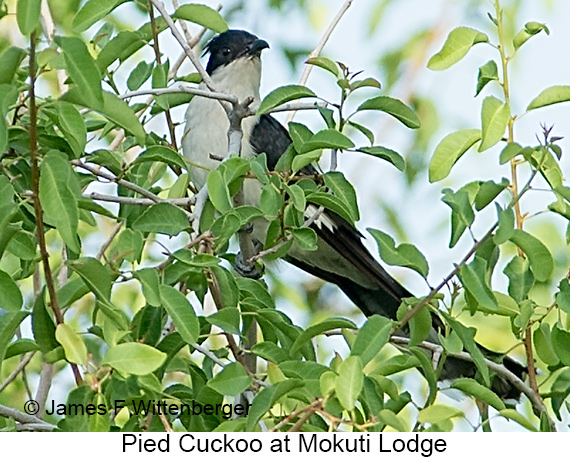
{"x":258,"y":46}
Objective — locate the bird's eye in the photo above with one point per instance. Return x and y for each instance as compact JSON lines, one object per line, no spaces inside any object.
{"x":226,"y":52}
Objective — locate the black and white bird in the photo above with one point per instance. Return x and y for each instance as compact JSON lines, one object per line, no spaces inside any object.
{"x":234,"y":66}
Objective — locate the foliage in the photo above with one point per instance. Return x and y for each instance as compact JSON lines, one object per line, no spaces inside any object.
{"x":132,"y":318}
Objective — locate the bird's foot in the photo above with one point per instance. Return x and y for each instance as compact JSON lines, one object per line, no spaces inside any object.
{"x":247,"y":269}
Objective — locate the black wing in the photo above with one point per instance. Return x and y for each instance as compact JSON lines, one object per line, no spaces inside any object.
{"x":341,"y":257}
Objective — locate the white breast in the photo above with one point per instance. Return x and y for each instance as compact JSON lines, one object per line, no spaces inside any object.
{"x":207,"y":123}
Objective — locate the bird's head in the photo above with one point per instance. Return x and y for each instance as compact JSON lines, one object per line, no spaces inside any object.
{"x":231,"y":45}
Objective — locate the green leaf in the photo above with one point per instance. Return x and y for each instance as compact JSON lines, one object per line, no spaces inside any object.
{"x":349,"y":382}
{"x":449,"y":151}
{"x":282,"y":95}
{"x":100,"y":422}
{"x":305,"y":238}
{"x":123,"y":45}
{"x":318,"y":329}
{"x":561,"y":344}
{"x":10,"y":61}
{"x":393,"y":107}
{"x":435,"y":414}
{"x":506,"y":225}
{"x":327,"y":139}
{"x":129,"y":245}
{"x":387,"y":154}
{"x":511,"y":150}
{"x":467,"y":335}
{"x":91,"y":12}
{"x":162,"y":218}
{"x":297,"y":196}
{"x":134,"y":358}
{"x":325,"y":63}
{"x":59,"y":189}
{"x":227,"y":319}
{"x":371,"y":338}
{"x":72,"y":125}
{"x":73,"y":345}
{"x":541,"y":261}
{"x":518,"y":418}
{"x":139,"y":75}
{"x":456,"y":46}
{"x":28,"y":15}
{"x":271,"y":200}
{"x":83,"y":71}
{"x":542,"y":338}
{"x":420,"y":326}
{"x":563,"y":295}
{"x":113,"y":108}
{"x":10,"y":292}
{"x":202,"y":15}
{"x":530,"y":29}
{"x":495,"y":116}
{"x":333,"y":203}
{"x":218,"y":192}
{"x":21,"y":346}
{"x":228,"y":286}
{"x":43,"y":327}
{"x":487,"y":73}
{"x":488,"y":191}
{"x":161,"y":154}
{"x":404,"y":255}
{"x":472,"y":276}
{"x":462,"y":215}
{"x":390,"y":418}
{"x":181,"y":312}
{"x":98,"y":279}
{"x":265,"y":400}
{"x":7,"y":204}
{"x":342,"y":189}
{"x":150,"y":282}
{"x":520,"y":277}
{"x":480,"y":392}
{"x":366,"y":82}
{"x":270,"y":351}
{"x":8,"y":326}
{"x":232,"y":380}
{"x":550,"y":96}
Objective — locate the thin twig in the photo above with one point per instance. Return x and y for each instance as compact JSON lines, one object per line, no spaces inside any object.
{"x":182,"y":202}
{"x":110,"y":239}
{"x":17,"y":370}
{"x":157,"y":57}
{"x":496,"y":367}
{"x":288,"y":238}
{"x":182,"y":89}
{"x":317,"y":51}
{"x":317,"y":404}
{"x":46,"y":378}
{"x":185,"y":46}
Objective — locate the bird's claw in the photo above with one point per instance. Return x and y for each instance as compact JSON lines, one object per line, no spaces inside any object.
{"x":247,"y":269}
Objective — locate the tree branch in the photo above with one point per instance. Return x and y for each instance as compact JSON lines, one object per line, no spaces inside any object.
{"x":24,"y":418}
{"x":38,"y":210}
{"x":316,"y":52}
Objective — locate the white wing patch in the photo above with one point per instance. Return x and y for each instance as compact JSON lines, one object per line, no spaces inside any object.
{"x":322,"y":221}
